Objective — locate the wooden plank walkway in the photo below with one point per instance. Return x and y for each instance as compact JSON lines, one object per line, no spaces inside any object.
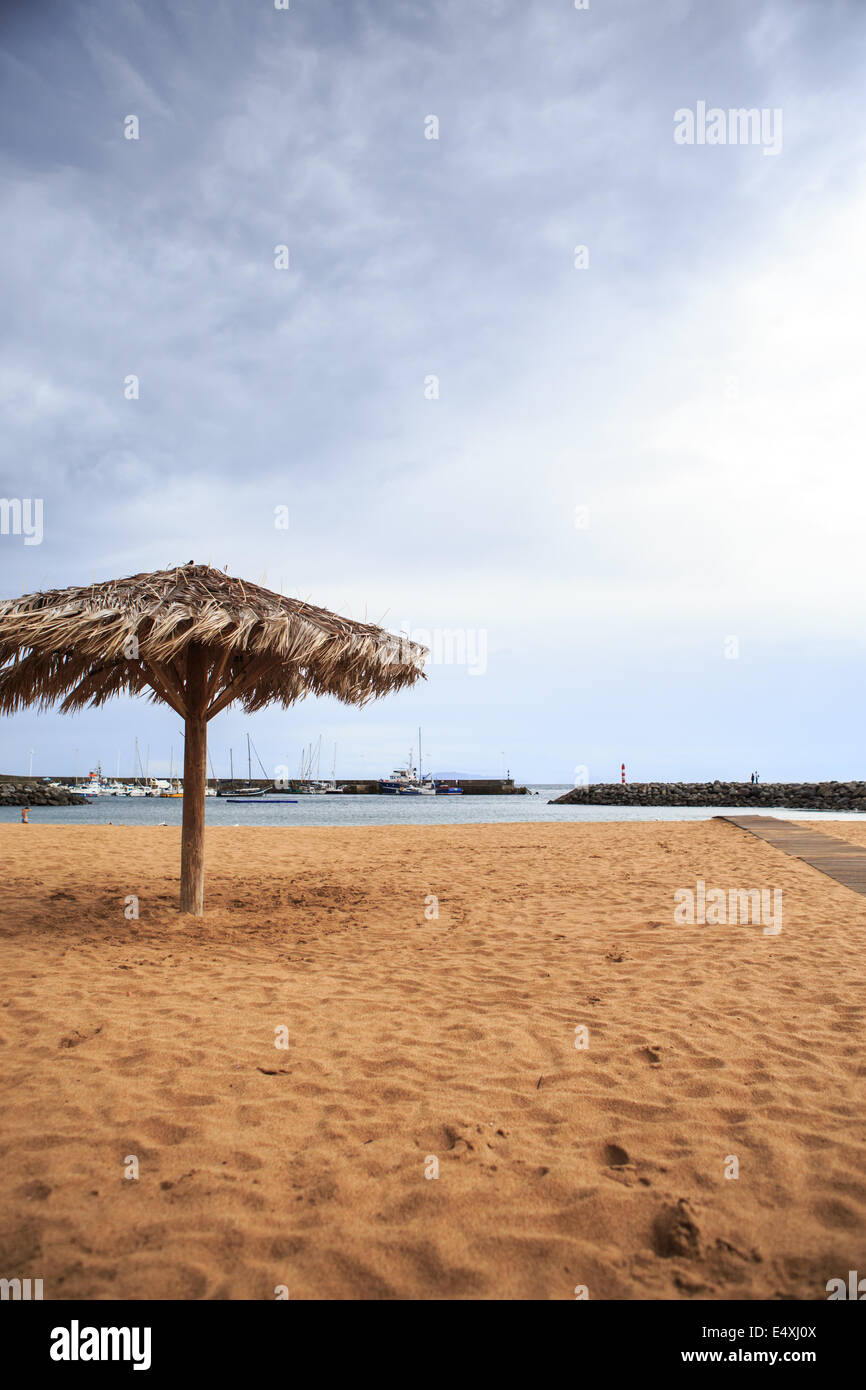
{"x":836,"y":858}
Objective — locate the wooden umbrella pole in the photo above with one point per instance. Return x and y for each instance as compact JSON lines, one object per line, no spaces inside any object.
{"x":194,"y":784}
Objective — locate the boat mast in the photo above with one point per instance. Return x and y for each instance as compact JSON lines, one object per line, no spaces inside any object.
{"x":249,"y":764}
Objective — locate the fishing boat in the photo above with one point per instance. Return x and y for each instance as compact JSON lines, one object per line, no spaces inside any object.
{"x":404,"y":781}
{"x":401,"y":779}
{"x":408,"y":781}
{"x":94,"y":786}
{"x":91,"y":787}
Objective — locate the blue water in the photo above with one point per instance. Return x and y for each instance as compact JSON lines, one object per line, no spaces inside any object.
{"x":383,"y":810}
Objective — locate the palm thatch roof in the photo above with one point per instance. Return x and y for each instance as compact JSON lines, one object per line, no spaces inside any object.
{"x":131,"y":636}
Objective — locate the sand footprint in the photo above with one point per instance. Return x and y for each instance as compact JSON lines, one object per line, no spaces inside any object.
{"x":615,"y":1156}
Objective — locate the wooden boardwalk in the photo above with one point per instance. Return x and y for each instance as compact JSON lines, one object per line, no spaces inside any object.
{"x":836,"y":858}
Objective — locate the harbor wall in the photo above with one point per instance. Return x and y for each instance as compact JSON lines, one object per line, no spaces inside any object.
{"x":791,"y":796}
{"x":470,"y":786}
{"x":364,"y":786}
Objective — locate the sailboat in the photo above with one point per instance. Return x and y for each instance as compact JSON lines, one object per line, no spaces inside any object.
{"x":249,"y":791}
{"x":250,"y":794}
{"x":331,"y":787}
{"x":308,"y":785}
{"x":137,"y":789}
{"x":173,"y":788}
{"x":229,"y":791}
{"x":425,"y":787}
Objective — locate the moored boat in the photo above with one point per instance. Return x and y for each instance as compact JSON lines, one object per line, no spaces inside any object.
{"x":402,"y":779}
{"x":409,"y":781}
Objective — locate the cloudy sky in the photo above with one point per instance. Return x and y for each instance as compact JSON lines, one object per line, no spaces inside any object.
{"x":630,"y":476}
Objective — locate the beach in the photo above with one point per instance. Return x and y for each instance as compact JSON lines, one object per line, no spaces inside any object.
{"x":509,"y":1073}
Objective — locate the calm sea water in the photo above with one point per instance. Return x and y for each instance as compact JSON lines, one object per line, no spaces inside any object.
{"x":380,"y":810}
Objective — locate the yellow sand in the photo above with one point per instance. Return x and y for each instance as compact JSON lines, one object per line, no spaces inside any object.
{"x":413,"y":1039}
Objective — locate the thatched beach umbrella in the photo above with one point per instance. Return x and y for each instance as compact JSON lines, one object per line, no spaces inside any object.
{"x":197,"y":640}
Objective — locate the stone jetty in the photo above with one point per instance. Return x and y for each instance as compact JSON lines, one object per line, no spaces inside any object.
{"x":27,"y":793}
{"x":791,"y":796}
